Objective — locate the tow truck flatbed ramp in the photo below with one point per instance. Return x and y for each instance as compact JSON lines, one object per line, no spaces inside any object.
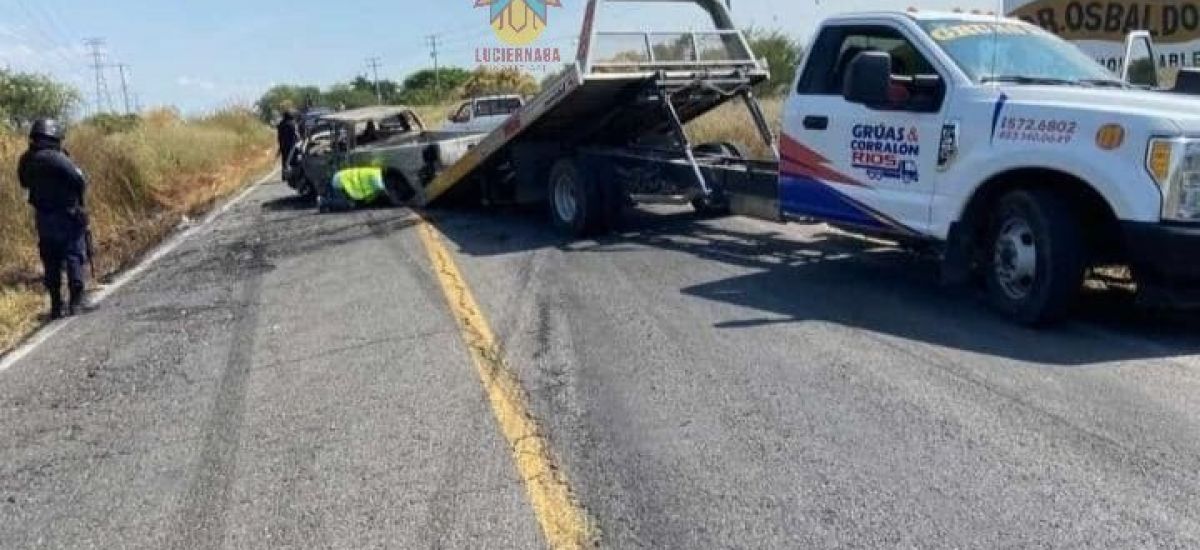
{"x":624,"y":86}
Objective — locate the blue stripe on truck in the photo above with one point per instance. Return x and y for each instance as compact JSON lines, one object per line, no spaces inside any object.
{"x":805,"y":196}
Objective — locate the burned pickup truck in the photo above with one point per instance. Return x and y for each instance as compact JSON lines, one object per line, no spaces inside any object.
{"x":390,"y":137}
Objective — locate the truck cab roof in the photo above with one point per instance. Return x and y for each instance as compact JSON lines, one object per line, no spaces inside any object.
{"x":496,"y":97}
{"x":917,"y":15}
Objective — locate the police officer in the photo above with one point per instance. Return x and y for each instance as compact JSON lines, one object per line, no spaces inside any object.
{"x":288,"y":135}
{"x":56,"y":192}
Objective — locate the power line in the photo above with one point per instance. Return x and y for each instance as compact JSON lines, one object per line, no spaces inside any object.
{"x":56,"y":22}
{"x":124,"y":85}
{"x":53,"y":46}
{"x":38,"y":12}
{"x":433,"y":52}
{"x":373,"y":63}
{"x":97,"y":45}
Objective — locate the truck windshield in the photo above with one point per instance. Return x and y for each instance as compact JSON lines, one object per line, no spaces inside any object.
{"x":1012,"y":51}
{"x":498,"y":106}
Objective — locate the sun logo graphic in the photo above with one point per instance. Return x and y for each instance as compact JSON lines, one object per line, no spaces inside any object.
{"x":518,"y":22}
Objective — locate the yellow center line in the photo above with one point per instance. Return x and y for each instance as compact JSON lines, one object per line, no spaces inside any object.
{"x":564,"y":522}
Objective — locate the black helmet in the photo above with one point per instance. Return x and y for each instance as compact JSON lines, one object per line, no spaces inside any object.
{"x":45,"y":128}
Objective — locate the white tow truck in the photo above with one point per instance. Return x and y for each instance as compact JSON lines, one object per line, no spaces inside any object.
{"x":1033,"y":162}
{"x":1008,"y":151}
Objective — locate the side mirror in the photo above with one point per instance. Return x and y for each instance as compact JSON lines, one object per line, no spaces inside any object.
{"x":867,"y":78}
{"x":1140,"y":67}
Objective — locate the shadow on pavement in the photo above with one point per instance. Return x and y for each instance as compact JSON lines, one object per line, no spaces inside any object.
{"x":291,"y":202}
{"x":836,"y":278}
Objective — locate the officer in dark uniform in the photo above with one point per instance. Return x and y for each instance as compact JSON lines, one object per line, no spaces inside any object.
{"x":287,"y":132}
{"x":56,"y":192}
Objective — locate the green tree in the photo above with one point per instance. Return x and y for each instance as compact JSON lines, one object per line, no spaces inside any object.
{"x":422,"y":87}
{"x":25,"y":97}
{"x":389,"y":90}
{"x":285,"y":96}
{"x":488,"y":81}
{"x":782,"y":54}
{"x":113,"y":123}
{"x":348,"y":96}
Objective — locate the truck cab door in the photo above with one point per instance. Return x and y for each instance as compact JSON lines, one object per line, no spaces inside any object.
{"x":869,"y":163}
{"x":477,"y":118}
{"x":1139,"y":67}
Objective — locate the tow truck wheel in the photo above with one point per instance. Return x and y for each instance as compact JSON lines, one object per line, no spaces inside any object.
{"x":574,"y":200}
{"x":710,"y":207}
{"x":1035,"y":258}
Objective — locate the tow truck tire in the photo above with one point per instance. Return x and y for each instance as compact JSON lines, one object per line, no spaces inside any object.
{"x":574,"y":199}
{"x":1035,"y":256}
{"x":710,"y":208}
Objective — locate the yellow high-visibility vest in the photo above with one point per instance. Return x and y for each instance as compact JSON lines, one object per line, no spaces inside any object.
{"x":360,"y":184}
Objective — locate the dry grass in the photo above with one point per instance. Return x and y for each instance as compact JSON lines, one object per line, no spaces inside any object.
{"x":435,"y":116}
{"x":732,"y":123}
{"x":1167,"y":76}
{"x":142,"y":182}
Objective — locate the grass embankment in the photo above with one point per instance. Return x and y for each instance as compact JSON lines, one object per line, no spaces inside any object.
{"x":144,"y":179}
{"x":732,"y":123}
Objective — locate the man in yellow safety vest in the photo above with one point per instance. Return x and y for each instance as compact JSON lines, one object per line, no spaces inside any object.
{"x":353,"y":187}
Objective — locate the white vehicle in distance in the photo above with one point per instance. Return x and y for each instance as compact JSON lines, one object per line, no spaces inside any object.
{"x":483,"y":114}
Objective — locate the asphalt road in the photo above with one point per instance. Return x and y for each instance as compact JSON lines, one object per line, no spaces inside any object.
{"x":297,"y":381}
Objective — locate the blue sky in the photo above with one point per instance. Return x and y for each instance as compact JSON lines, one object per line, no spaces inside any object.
{"x":201,"y":55}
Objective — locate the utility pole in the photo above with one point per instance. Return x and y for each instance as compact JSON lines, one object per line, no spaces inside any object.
{"x":124,"y":85}
{"x":97,"y":46}
{"x":433,"y":52}
{"x":373,"y":63}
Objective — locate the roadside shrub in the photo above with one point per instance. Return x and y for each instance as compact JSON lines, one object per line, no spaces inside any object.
{"x":111,"y":123}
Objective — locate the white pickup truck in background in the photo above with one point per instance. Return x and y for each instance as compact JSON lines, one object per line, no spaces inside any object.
{"x":483,"y":114}
{"x":1032,"y":162}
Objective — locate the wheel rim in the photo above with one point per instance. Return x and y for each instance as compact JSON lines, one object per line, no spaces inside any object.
{"x":1015,"y":261}
{"x":564,"y":197}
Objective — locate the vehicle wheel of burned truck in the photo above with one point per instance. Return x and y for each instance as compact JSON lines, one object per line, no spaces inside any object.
{"x":574,"y":200}
{"x":306,"y":190}
{"x":399,"y":192}
{"x":1035,"y":260}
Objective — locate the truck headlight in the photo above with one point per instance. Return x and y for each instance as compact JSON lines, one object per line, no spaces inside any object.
{"x":1174,"y":164}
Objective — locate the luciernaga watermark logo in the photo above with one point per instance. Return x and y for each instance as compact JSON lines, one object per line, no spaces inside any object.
{"x":519,"y":24}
